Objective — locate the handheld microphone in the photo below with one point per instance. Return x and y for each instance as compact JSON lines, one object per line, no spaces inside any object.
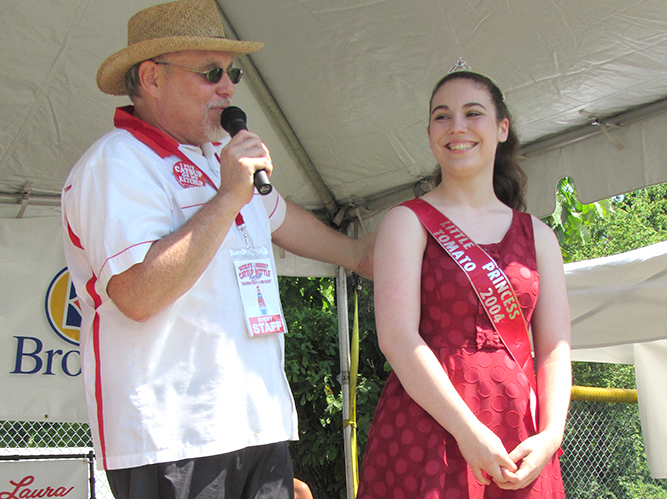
{"x":233,"y":119}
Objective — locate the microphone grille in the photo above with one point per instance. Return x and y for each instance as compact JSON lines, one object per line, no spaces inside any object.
{"x":231,"y":114}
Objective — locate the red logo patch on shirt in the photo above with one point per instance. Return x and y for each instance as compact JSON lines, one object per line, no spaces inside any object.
{"x":189,"y":175}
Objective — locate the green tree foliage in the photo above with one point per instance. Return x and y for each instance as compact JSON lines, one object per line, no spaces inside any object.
{"x":608,"y":227}
{"x":571,"y":219}
{"x":313,"y":370}
{"x":605,"y":455}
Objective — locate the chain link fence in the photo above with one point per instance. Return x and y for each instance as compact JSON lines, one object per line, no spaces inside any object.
{"x":604,"y":455}
{"x":29,"y":438}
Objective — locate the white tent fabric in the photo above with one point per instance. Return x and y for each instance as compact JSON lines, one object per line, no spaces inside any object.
{"x":353,"y":80}
{"x":617,"y":297}
{"x":651,"y":371}
{"x":619,"y":315}
{"x":340,"y":95}
{"x":599,"y":169}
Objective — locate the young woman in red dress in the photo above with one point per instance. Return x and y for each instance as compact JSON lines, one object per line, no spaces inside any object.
{"x":455,"y":418}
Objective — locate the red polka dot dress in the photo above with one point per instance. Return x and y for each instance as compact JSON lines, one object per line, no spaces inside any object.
{"x":408,"y":454}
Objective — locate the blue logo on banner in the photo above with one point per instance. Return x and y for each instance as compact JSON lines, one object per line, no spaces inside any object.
{"x":62,"y":308}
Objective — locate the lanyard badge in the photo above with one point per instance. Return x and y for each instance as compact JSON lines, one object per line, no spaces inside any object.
{"x":258,"y":287}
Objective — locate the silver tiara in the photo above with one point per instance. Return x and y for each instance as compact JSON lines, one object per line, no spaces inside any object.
{"x":459,"y":65}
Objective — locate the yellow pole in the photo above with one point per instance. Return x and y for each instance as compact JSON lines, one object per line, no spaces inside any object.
{"x":596,"y":394}
{"x":354,"y":369}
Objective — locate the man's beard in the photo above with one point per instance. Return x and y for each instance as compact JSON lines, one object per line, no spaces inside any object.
{"x":214,"y":131}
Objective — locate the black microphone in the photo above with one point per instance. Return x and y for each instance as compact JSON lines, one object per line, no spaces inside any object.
{"x":233,"y":119}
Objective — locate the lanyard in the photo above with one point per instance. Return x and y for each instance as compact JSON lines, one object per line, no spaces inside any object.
{"x":165,"y":146}
{"x":491,"y":285}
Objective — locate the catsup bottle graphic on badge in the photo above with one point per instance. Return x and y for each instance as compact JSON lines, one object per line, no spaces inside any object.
{"x":260,"y":301}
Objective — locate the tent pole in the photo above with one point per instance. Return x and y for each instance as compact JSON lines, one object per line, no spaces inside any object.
{"x":344,"y":346}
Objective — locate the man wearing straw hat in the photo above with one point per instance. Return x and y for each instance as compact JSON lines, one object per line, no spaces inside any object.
{"x":169,"y":248}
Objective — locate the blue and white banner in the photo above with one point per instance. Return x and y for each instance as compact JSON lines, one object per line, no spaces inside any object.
{"x":40,"y":366}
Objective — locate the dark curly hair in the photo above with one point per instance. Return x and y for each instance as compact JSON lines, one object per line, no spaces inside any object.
{"x":509,"y":180}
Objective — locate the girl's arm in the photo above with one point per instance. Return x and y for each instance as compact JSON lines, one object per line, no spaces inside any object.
{"x":551,"y":342}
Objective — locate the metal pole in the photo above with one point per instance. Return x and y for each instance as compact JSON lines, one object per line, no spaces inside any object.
{"x":344,"y":345}
{"x":91,"y":471}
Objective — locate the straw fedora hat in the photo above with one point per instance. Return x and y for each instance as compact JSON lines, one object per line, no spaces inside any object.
{"x":164,"y":28}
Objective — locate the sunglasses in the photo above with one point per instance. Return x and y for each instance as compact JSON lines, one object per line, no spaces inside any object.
{"x":213,"y":75}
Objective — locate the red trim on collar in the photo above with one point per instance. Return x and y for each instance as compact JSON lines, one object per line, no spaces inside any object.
{"x":157,"y":140}
{"x":160,"y":142}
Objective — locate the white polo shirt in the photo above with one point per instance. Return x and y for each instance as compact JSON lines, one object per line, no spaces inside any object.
{"x":189,"y":382}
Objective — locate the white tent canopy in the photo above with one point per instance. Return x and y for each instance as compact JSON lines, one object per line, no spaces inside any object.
{"x":352,"y":80}
{"x":340,"y":91}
